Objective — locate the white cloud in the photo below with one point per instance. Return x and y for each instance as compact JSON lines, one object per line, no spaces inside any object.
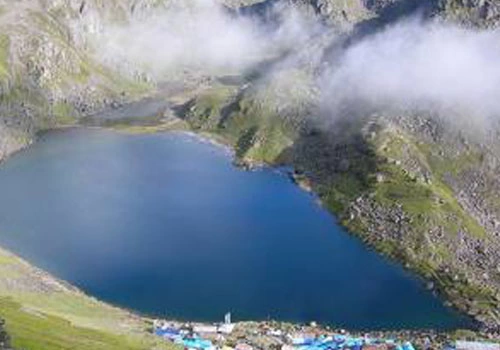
{"x":424,"y":65}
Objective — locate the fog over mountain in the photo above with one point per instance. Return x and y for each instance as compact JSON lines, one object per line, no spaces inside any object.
{"x":425,"y":65}
{"x":202,"y":35}
{"x":413,"y":63}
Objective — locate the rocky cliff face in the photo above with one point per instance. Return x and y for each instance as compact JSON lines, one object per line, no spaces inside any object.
{"x":48,"y":76}
{"x":478,"y":13}
{"x":482,"y":13}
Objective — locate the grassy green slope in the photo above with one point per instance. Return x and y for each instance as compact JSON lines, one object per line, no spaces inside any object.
{"x":44,"y":313}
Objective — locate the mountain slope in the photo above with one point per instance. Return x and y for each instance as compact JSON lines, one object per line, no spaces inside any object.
{"x":44,"y":313}
{"x":48,"y":78}
{"x":410,"y":182}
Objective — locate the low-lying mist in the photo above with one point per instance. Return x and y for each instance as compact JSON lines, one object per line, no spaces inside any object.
{"x":421,"y":65}
{"x":198,"y":35}
{"x":415,"y":63}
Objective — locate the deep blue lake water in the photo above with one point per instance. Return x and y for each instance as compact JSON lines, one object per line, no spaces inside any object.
{"x":165,"y":224}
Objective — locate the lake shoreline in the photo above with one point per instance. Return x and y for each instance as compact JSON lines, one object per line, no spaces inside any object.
{"x":41,"y":280}
{"x":301,"y":182}
{"x":305,"y":184}
{"x":205,"y":137}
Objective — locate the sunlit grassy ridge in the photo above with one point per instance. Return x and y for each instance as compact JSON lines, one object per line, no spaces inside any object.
{"x":44,"y":313}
